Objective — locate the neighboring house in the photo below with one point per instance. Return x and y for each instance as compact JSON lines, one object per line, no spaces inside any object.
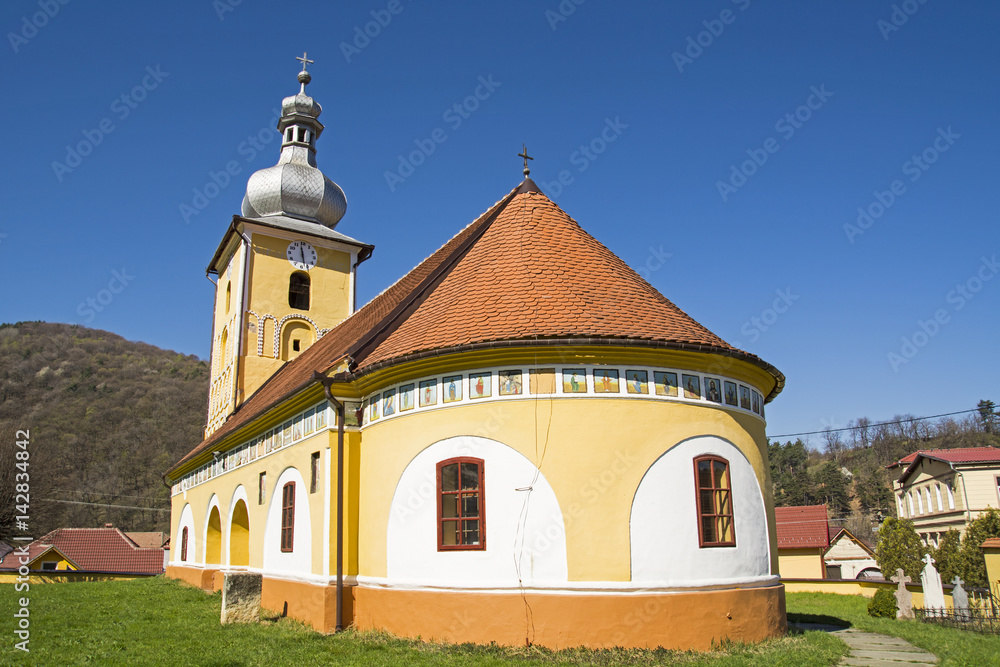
{"x":803,"y":537}
{"x":850,"y":558}
{"x":940,"y":489}
{"x":148,"y":540}
{"x":101,"y":552}
{"x":538,"y":446}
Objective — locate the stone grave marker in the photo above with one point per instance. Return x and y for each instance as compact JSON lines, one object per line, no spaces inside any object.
{"x":904,"y":599}
{"x":241,"y":597}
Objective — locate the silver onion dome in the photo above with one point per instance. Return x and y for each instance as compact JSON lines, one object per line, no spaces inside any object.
{"x":295,"y":186}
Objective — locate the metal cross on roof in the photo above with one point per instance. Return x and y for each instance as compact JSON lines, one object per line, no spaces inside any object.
{"x":305,"y":60}
{"x":524,"y":154}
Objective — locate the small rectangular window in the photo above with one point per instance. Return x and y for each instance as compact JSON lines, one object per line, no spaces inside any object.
{"x":314,"y":472}
{"x":461,"y":505}
{"x":261,"y":487}
{"x":287,"y":516}
{"x":715,"y":502}
{"x":49,"y":565}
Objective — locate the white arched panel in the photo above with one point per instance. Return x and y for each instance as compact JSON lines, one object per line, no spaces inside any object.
{"x":529,"y":538}
{"x":187,"y":521}
{"x":663,"y":526}
{"x":299,"y":559}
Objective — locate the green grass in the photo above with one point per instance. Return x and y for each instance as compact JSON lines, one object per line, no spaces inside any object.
{"x":160,"y":622}
{"x":951,"y":646}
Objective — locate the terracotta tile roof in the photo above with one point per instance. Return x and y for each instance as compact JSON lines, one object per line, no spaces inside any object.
{"x":802,"y":527}
{"x":525,"y":272}
{"x":148,"y":540}
{"x":956,"y":455}
{"x":991,"y":543}
{"x":94,"y":550}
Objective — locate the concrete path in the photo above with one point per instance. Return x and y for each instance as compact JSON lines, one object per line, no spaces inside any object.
{"x":875,"y":650}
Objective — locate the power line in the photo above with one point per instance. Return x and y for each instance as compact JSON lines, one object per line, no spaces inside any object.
{"x":127,"y":507}
{"x":894,"y":421}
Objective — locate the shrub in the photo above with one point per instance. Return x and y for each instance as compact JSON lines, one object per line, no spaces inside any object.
{"x":883,"y":605}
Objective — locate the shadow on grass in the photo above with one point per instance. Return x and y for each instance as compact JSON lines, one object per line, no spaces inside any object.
{"x":799,"y":623}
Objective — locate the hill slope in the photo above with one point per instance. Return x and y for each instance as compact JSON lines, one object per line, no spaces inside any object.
{"x":106,"y":417}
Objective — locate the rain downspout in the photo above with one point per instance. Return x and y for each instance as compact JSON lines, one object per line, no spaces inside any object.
{"x":326,"y":382}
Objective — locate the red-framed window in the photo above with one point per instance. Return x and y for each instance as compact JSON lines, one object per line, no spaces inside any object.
{"x":287,"y":516}
{"x":715,"y":502}
{"x":461,"y":508}
{"x":184,"y":544}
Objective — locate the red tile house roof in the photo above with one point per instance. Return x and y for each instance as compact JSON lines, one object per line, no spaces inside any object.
{"x":522,"y":274}
{"x":958,"y":455}
{"x":802,"y":527}
{"x":105,"y":550}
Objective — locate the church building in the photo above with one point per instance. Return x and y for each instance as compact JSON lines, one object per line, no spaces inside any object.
{"x":519,"y":441}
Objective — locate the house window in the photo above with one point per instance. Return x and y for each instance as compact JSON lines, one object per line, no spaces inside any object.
{"x":920,"y":502}
{"x":298,"y":291}
{"x":937,"y":487}
{"x":229,"y":294}
{"x":287,"y":516}
{"x":314,"y":472}
{"x":461,"y":507}
{"x":951,"y":497}
{"x":899,"y":501}
{"x":184,"y":544}
{"x":930,"y":503}
{"x":49,"y":565}
{"x":715,"y":502}
{"x":261,"y":486}
{"x":909,"y":501}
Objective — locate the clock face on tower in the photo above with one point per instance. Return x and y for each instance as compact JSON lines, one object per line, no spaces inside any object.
{"x":301,"y":254}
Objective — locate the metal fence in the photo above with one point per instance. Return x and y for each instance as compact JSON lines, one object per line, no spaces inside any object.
{"x":983,"y":614}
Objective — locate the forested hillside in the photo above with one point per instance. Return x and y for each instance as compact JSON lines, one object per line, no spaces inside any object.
{"x":849,"y":474}
{"x":106,"y":417}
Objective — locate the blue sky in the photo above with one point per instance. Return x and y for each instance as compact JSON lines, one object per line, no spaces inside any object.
{"x":722,"y":148}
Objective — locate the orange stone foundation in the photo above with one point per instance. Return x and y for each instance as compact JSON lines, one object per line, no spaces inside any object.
{"x":694,"y":620}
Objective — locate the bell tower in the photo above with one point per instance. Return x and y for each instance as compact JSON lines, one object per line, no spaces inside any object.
{"x":284,"y":275}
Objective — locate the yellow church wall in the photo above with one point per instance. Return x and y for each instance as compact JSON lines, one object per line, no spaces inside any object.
{"x":992,"y":556}
{"x":224,"y":486}
{"x":801,"y":564}
{"x":624,"y":435}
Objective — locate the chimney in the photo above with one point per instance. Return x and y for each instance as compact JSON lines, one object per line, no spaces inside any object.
{"x":109,"y":525}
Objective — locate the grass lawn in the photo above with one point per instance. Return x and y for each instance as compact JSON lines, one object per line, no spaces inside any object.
{"x":952,"y":647}
{"x":160,"y":622}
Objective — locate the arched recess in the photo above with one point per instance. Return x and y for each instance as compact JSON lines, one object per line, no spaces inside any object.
{"x":186,"y":522}
{"x":296,"y":336}
{"x":239,"y":530}
{"x":663,"y":526}
{"x":533,"y":542}
{"x":299,"y":559}
{"x":213,"y":534}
